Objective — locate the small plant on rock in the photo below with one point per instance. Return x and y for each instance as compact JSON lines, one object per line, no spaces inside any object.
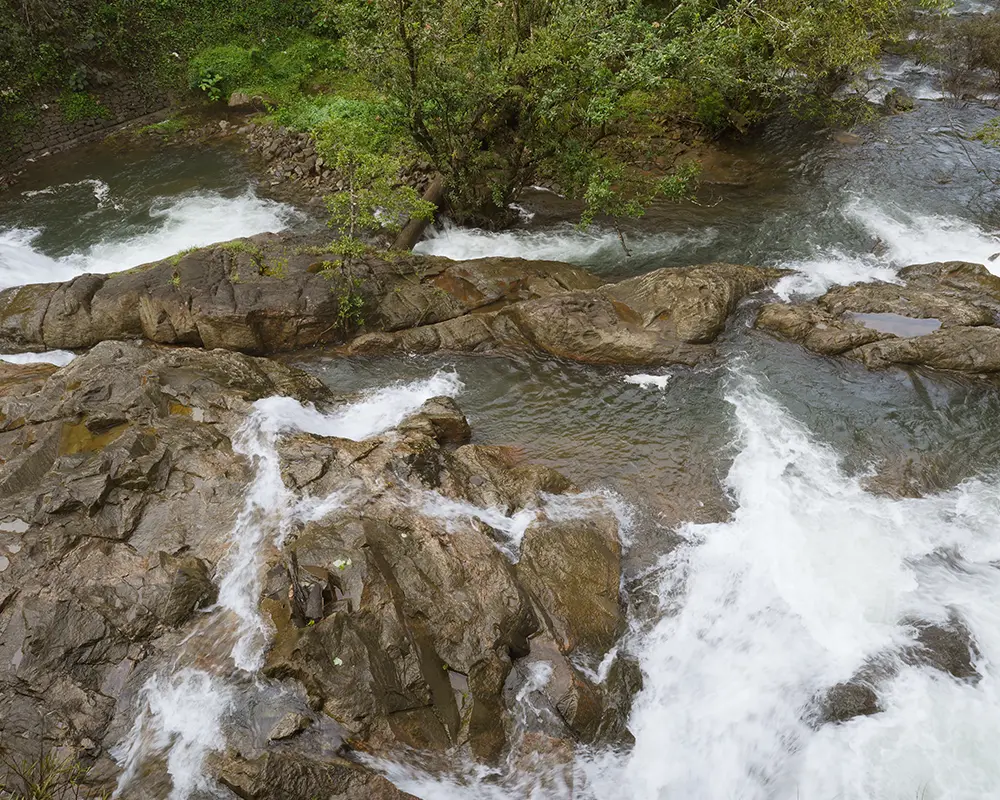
{"x":990,"y":132}
{"x":46,"y":778}
{"x":211,"y":84}
{"x":372,"y":200}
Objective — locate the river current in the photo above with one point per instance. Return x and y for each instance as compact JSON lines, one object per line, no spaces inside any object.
{"x":787,"y":513}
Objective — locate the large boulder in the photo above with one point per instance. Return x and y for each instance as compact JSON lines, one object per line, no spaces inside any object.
{"x":669,"y":316}
{"x":276,"y":292}
{"x":267,"y":294}
{"x":941,"y":316}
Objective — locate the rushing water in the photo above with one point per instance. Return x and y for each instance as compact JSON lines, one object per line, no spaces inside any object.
{"x":789,"y":513}
{"x":183,"y":709}
{"x":113,"y":212}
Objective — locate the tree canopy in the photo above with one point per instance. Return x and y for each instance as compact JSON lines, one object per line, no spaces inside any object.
{"x":494,"y":94}
{"x":497,"y":93}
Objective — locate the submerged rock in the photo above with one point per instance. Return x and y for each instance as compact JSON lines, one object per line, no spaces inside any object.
{"x":845,"y":701}
{"x":947,"y":647}
{"x":941,"y":316}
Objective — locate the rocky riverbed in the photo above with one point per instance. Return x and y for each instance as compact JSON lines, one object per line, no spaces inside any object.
{"x":515,"y":515}
{"x":386,"y":584}
{"x":122,"y":476}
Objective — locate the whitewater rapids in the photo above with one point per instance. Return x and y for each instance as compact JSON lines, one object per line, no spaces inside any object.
{"x":761,"y":615}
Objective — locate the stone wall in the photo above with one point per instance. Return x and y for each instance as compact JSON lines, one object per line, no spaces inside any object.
{"x":52,"y":132}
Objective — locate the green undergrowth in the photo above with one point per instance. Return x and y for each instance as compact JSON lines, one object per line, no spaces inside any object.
{"x":291,"y":74}
{"x":81,"y":106}
{"x":167,"y":127}
{"x":989,"y":133}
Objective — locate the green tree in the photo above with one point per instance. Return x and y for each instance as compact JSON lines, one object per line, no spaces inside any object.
{"x":500,"y":93}
{"x":496,"y":93}
{"x":365,"y":151}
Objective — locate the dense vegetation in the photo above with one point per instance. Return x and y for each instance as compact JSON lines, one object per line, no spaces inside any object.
{"x":493,"y":94}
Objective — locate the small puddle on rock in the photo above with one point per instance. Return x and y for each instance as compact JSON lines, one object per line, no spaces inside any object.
{"x":896,"y":323}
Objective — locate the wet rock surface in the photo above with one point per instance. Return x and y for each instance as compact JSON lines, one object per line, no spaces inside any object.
{"x":669,"y":316}
{"x":268,"y":294}
{"x":399,"y":621}
{"x":946,"y":646}
{"x":118,"y":486}
{"x":884,"y":324}
{"x":275,"y":293}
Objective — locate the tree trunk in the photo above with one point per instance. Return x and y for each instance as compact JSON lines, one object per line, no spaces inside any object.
{"x":410,"y":235}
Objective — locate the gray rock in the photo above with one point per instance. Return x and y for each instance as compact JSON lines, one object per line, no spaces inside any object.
{"x":288,"y":726}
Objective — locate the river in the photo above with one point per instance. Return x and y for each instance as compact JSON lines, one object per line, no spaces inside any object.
{"x":788,"y":513}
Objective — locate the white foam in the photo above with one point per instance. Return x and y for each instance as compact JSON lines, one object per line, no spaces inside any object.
{"x":645,"y":381}
{"x":563,"y":243}
{"x":191,"y":220}
{"x":905,"y":238}
{"x":100,"y":190}
{"x":761,"y":615}
{"x":58,"y":357}
{"x":813,"y":276}
{"x":180,"y":716}
{"x":810,"y":578}
{"x":923,"y":238}
{"x":455,"y":514}
{"x":374,"y":413}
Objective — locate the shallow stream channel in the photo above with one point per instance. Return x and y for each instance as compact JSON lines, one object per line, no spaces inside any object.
{"x":788,"y":515}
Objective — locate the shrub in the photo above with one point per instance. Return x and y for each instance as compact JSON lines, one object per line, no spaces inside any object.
{"x":46,"y":778}
{"x":79,"y":106}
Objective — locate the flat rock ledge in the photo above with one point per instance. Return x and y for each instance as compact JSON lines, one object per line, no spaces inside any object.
{"x":275,"y":292}
{"x":943,"y":316}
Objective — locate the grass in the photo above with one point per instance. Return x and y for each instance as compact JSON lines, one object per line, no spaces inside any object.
{"x":242,"y":246}
{"x":314,"y":250}
{"x":989,"y":133}
{"x":47,"y":778}
{"x":293,"y":75}
{"x":167,"y":127}
{"x":175,"y":259}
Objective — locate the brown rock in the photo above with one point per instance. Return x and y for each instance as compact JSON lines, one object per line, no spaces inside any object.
{"x":963,"y":299}
{"x":666,"y":316}
{"x":573,"y":570}
{"x":301,"y":776}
